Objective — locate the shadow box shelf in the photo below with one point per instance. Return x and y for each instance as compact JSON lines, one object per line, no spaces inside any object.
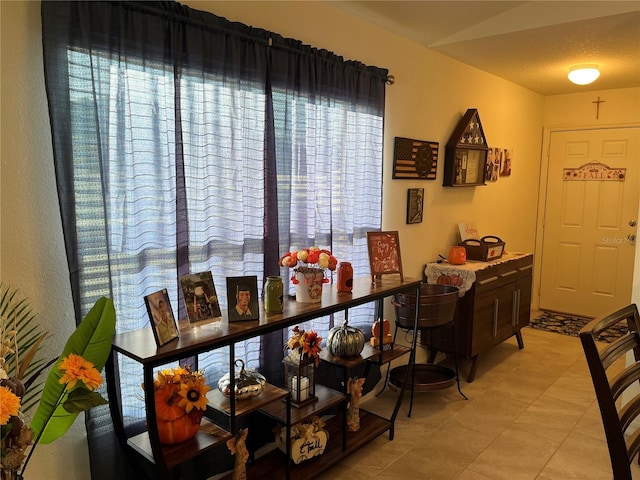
{"x":466,"y":153}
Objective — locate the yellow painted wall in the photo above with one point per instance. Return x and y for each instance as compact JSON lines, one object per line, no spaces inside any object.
{"x":429,"y":97}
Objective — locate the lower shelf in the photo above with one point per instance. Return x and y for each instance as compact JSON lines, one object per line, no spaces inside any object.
{"x":209,"y":436}
{"x":272,"y":465}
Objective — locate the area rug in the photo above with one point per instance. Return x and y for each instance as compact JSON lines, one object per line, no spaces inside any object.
{"x":571,"y":325}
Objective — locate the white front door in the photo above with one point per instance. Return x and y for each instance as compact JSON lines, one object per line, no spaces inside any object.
{"x":590,"y":225}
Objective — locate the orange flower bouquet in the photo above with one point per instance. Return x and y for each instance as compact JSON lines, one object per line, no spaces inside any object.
{"x":180,"y":400}
{"x":305,"y":343}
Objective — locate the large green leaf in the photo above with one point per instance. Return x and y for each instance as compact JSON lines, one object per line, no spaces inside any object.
{"x":92,"y":339}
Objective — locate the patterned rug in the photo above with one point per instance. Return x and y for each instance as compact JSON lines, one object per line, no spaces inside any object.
{"x":570,"y":325}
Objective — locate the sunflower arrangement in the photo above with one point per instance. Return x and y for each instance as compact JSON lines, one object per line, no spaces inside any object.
{"x":305,"y":343}
{"x":180,"y":399}
{"x":309,"y":258}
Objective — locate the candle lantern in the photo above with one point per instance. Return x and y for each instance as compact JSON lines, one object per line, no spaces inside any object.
{"x":300,"y":378}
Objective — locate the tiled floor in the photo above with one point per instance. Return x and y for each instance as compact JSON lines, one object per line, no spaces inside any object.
{"x":531,"y":414}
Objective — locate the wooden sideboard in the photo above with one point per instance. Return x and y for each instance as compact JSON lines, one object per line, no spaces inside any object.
{"x":494,"y":307}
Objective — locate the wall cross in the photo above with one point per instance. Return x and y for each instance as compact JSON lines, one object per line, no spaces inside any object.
{"x":598,"y":102}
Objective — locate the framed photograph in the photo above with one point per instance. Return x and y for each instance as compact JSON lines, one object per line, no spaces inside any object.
{"x":242,"y":298}
{"x":384,"y":254}
{"x":161,"y":317}
{"x":200,"y":298}
{"x":415,"y":159}
{"x":415,"y":199}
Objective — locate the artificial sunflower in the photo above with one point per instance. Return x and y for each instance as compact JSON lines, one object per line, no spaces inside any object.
{"x":194,"y":394}
{"x":311,"y":345}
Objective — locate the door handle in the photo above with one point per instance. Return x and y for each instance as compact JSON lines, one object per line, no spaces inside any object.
{"x":632,"y":223}
{"x":632,"y":238}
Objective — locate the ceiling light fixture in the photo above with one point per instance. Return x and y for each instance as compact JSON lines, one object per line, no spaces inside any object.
{"x":583,"y":74}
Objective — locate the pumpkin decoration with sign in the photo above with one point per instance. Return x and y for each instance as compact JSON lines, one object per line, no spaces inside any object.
{"x":345,"y":341}
{"x":180,"y":399}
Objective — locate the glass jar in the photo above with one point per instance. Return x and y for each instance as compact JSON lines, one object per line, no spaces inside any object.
{"x":273,"y":292}
{"x":345,"y":277}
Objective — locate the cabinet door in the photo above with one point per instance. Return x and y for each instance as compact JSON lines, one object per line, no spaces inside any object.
{"x":493,"y":317}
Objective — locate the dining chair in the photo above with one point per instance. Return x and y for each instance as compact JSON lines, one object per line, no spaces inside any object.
{"x":619,"y":413}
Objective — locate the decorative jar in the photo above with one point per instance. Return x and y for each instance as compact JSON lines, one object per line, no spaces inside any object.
{"x":457,"y":255}
{"x":345,"y":277}
{"x":273,"y":292}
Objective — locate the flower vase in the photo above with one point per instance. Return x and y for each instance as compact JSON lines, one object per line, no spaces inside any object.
{"x":309,"y":283}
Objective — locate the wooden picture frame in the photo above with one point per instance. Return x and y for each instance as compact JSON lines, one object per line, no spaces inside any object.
{"x":200,"y":298}
{"x":415,"y":159}
{"x":415,"y":202}
{"x":163,"y":323}
{"x":384,"y":254}
{"x":238,"y":288}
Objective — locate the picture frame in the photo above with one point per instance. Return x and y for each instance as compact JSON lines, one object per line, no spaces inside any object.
{"x":415,"y":159}
{"x":200,"y":298}
{"x":384,"y":254}
{"x":163,"y":323}
{"x":242,"y":298}
{"x":415,"y":203}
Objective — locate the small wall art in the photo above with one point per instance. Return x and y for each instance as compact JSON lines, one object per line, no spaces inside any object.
{"x":498,"y":163}
{"x":384,"y":254}
{"x":242,"y":298}
{"x":163,"y":322}
{"x":415,"y":159}
{"x":200,"y":298}
{"x":415,"y":200}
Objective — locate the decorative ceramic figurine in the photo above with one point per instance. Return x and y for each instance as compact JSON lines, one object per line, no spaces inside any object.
{"x":237,"y":446}
{"x":354,"y":387}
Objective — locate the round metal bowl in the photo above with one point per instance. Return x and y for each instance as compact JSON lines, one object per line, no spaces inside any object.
{"x":437,"y":306}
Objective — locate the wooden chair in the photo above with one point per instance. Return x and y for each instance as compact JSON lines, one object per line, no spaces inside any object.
{"x":623,"y":442}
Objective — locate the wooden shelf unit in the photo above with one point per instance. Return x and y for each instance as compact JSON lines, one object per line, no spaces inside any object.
{"x":274,"y":402}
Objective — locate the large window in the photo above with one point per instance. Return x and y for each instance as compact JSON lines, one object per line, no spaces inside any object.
{"x":183,"y":159}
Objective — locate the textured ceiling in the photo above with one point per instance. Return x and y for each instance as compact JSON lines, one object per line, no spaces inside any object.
{"x":529,"y":43}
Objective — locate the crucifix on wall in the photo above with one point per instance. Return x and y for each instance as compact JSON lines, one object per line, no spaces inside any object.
{"x":598,"y":102}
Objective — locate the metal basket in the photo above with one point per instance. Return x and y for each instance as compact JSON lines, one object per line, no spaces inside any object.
{"x":437,"y":306}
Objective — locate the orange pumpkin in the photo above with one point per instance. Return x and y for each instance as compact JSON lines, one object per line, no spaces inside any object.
{"x":167,"y":399}
{"x":443,"y":279}
{"x":181,"y":429}
{"x":457,"y":255}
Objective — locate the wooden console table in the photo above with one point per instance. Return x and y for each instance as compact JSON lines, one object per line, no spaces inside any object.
{"x":495,"y":304}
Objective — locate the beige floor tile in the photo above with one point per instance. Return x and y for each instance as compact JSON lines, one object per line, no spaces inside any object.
{"x":490,"y":414}
{"x":514,"y":455}
{"x":469,"y":474}
{"x":579,"y":458}
{"x":550,"y":418}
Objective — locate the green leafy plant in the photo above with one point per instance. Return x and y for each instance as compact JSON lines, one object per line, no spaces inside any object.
{"x":21,"y":338}
{"x":59,"y":406}
{"x":69,"y":387}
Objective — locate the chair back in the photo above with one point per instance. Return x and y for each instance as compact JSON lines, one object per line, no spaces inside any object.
{"x":622,"y":434}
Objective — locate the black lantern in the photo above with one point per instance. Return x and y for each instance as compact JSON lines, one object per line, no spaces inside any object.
{"x":300,"y":378}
